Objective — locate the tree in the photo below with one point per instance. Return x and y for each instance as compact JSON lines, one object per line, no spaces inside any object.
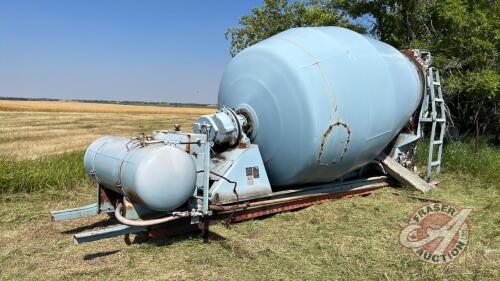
{"x":462,"y":35}
{"x":279,"y":15}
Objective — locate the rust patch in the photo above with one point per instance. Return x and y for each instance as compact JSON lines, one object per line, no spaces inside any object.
{"x":133,"y":196}
{"x":243,"y":214}
{"x":326,"y":135}
{"x":187,"y":148}
{"x":128,"y":207}
{"x":107,"y":196}
{"x":250,"y":122}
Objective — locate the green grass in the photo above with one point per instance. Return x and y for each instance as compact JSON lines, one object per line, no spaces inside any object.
{"x":462,"y":158}
{"x":53,"y":174}
{"x":351,"y":239}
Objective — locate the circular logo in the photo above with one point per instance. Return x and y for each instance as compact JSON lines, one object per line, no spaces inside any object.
{"x":437,"y":233}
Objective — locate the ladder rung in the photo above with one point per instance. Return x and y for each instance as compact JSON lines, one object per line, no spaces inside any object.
{"x":442,"y":120}
{"x":438,"y":100}
{"x":436,"y":83}
{"x":437,"y":142}
{"x":435,"y":163}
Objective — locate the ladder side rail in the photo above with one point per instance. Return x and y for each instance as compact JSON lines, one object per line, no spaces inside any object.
{"x":442,"y":124}
{"x":430,"y":84}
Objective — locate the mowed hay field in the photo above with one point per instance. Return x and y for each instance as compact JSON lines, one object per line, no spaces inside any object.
{"x":351,"y":239}
{"x":33,"y":129}
{"x":62,"y":106}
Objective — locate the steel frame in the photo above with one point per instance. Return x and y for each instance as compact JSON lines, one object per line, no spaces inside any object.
{"x":280,"y":201}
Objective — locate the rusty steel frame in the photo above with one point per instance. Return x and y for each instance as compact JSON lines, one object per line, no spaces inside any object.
{"x":280,"y":201}
{"x":247,"y":211}
{"x":302,"y":202}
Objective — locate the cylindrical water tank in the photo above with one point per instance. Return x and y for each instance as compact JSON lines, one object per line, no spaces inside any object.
{"x":158,"y":176}
{"x":321,"y":102}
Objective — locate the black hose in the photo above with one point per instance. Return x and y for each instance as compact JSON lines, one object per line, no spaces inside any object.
{"x":228,"y":180}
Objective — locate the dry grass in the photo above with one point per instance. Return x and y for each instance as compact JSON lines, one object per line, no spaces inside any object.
{"x":352,"y":239}
{"x":61,"y":106}
{"x":31,"y":134}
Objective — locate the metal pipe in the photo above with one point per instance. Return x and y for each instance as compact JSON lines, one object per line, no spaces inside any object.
{"x":125,"y":221}
{"x":206,"y":167}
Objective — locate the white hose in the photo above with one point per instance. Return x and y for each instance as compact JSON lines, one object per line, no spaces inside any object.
{"x":123,"y":220}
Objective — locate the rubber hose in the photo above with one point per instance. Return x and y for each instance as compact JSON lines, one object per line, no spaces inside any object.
{"x":123,"y":220}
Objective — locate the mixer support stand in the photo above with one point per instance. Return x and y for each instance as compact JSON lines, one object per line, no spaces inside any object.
{"x":280,"y":201}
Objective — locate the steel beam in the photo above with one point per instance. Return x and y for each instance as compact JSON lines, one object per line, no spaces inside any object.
{"x":80,"y":212}
{"x":109,"y":232}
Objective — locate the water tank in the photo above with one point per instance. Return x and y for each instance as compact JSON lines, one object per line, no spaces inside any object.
{"x":158,"y":176}
{"x":320,"y":102}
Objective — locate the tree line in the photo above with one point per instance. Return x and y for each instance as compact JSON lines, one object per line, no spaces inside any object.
{"x":462,"y":35}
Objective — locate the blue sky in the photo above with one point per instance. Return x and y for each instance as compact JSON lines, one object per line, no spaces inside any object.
{"x":152,"y":50}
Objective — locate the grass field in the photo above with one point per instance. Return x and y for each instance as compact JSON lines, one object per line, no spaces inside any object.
{"x":27,"y":132}
{"x":350,"y":239}
{"x":62,"y":106}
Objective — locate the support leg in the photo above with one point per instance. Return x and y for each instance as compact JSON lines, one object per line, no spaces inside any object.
{"x":85,"y":211}
{"x":204,"y":229}
{"x":109,"y":232}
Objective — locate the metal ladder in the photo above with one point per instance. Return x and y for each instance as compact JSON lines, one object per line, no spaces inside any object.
{"x":433,"y":111}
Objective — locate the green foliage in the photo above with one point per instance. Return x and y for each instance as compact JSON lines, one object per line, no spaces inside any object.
{"x":463,"y":158}
{"x":56,"y":173}
{"x":279,"y":15}
{"x":484,"y":163}
{"x":462,"y":35}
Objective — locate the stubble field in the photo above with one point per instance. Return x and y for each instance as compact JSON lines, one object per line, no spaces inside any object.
{"x":41,"y":170}
{"x":28,"y":131}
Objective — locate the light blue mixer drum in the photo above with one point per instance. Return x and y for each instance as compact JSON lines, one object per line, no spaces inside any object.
{"x":320,"y":102}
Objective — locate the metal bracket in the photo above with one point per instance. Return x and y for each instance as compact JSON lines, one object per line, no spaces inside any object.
{"x":103,"y":205}
{"x":109,"y":232}
{"x":80,"y":212}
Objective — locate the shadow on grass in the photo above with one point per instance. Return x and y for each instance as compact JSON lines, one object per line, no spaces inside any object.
{"x":89,"y":257}
{"x":141,"y":238}
{"x":104,"y":223}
